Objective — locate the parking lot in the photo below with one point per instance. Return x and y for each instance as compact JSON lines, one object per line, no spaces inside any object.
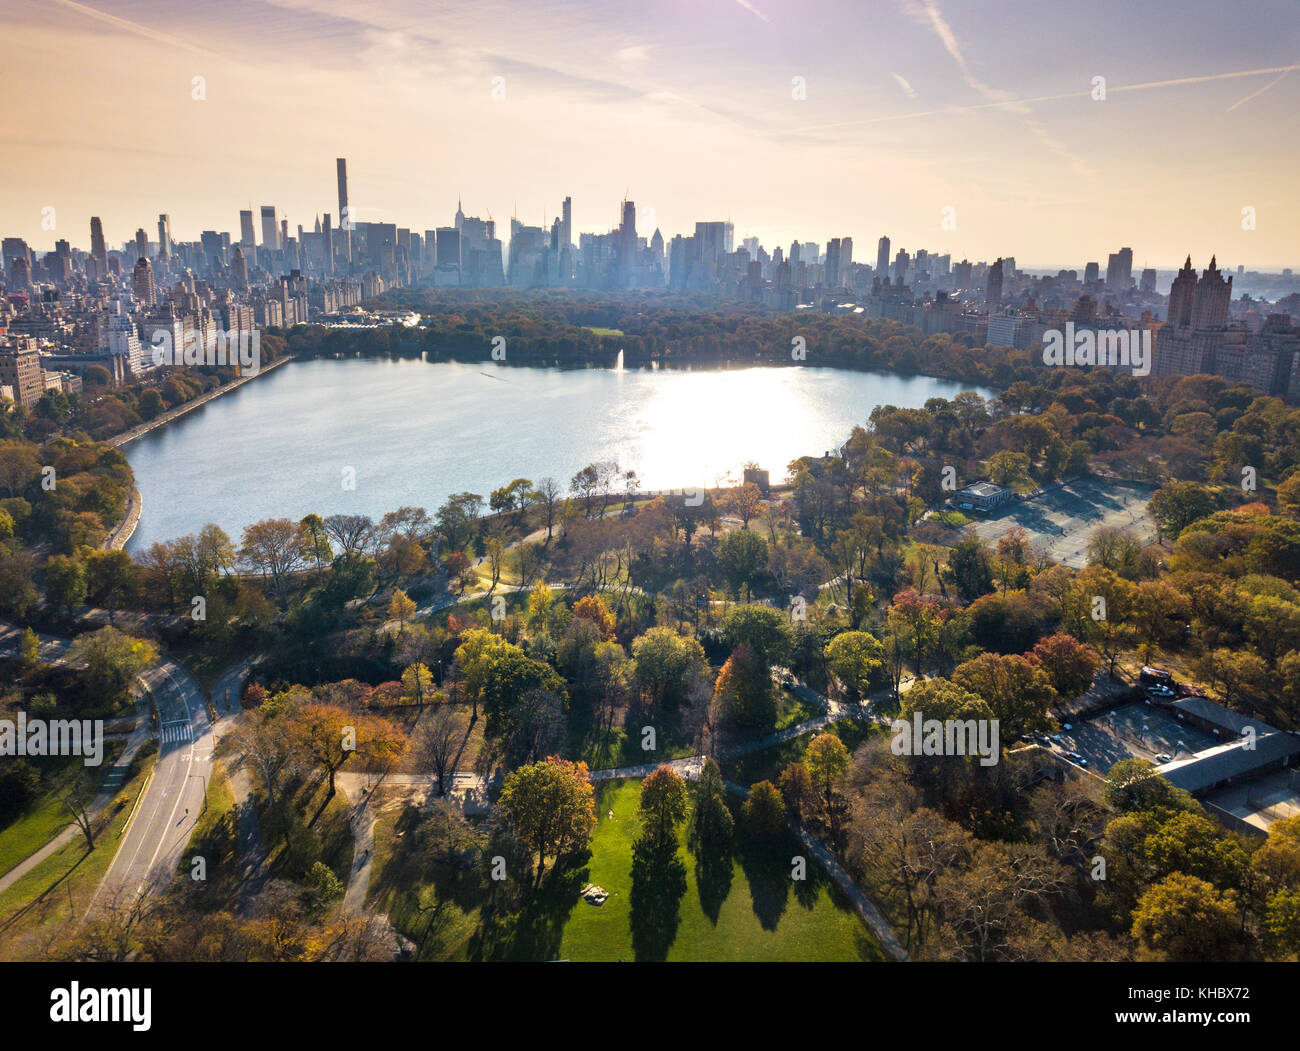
{"x":1134,"y":731}
{"x":1062,"y":519}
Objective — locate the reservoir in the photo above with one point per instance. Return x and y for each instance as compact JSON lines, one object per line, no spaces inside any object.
{"x":366,"y":435}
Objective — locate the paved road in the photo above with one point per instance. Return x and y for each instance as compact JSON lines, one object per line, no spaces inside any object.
{"x":166,"y":814}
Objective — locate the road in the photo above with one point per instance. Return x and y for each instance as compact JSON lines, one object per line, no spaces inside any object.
{"x":167,"y":812}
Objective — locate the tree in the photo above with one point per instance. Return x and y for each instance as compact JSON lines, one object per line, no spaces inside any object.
{"x":352,"y":533}
{"x":546,"y":496}
{"x":742,"y":556}
{"x":857,"y":660}
{"x":417,"y":683}
{"x":1008,"y":468}
{"x":663,"y":805}
{"x":110,"y":577}
{"x":438,"y":741}
{"x":29,"y":648}
{"x":1015,"y":687}
{"x":1155,"y":603}
{"x":76,"y":796}
{"x":665,"y":665}
{"x":458,"y":519}
{"x":711,"y":821}
{"x":1186,"y":919}
{"x":743,"y":502}
{"x":1177,"y":505}
{"x":112,"y":660}
{"x":969,"y":568}
{"x":496,"y":674}
{"x":766,"y":631}
{"x":827,"y":761}
{"x":743,"y":691}
{"x":327,"y":736}
{"x":65,"y":582}
{"x":1069,"y":664}
{"x":551,"y":806}
{"x":275,"y":548}
{"x":796,"y":789}
{"x":593,"y":608}
{"x":764,"y":811}
{"x":401,"y":608}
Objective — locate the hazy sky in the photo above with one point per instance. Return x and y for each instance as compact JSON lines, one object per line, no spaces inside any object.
{"x":685,"y":106}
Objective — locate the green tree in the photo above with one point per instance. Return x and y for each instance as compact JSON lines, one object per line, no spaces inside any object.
{"x":1188,"y":920}
{"x":551,"y":806}
{"x":742,"y":554}
{"x":857,"y":660}
{"x":663,"y":805}
{"x":112,"y":660}
{"x":711,"y":821}
{"x":65,"y":582}
{"x":764,"y":811}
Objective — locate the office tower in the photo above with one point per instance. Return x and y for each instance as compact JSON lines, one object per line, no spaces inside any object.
{"x":901,"y":262}
{"x":284,"y":235}
{"x":246,"y":236}
{"x":1119,"y":270}
{"x":142,"y":282}
{"x":627,"y":242}
{"x":164,"y":236}
{"x":98,"y":251}
{"x":213,"y":253}
{"x":141,"y":243}
{"x":1091,"y":272}
{"x":832,"y":270}
{"x":270,"y":229}
{"x":961,"y":274}
{"x":993,"y":293}
{"x":239,"y":269}
{"x":1147,"y":286}
{"x":345,"y":216}
{"x":882,"y":257}
{"x":20,"y":275}
{"x":566,"y":223}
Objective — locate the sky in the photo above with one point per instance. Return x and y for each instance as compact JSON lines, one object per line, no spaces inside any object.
{"x":962,"y":126}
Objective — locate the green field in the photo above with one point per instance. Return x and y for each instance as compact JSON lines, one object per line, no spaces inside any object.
{"x":756,"y":912}
{"x":604,"y":331}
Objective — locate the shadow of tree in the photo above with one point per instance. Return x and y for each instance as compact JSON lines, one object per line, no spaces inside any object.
{"x":534,"y":929}
{"x":658,"y":886}
{"x":713,"y":874}
{"x":766,"y":864}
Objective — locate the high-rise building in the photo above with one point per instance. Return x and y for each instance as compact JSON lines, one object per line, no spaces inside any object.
{"x":993,"y":292}
{"x":98,"y":250}
{"x":164,"y":236}
{"x":270,"y":229}
{"x":247,"y":238}
{"x":345,"y":216}
{"x":1091,"y":271}
{"x":1147,"y":286}
{"x":142,"y":282}
{"x":1119,"y":270}
{"x":882,"y":257}
{"x":1196,"y":327}
{"x":20,"y":368}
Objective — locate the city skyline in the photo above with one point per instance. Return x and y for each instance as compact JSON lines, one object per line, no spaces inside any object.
{"x":908,"y":109}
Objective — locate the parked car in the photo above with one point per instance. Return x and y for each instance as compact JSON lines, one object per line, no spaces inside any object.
{"x":1164,"y":757}
{"x":1066,"y":726}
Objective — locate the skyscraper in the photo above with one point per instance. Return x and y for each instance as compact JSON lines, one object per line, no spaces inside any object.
{"x":270,"y":229}
{"x":345,"y":216}
{"x":1119,"y":270}
{"x":247,"y":238}
{"x":882,"y":257}
{"x":1194,"y":332}
{"x":142,"y":282}
{"x":164,"y":235}
{"x":98,"y":251}
{"x":993,"y":294}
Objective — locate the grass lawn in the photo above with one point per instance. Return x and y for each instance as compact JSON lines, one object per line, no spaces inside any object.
{"x":45,"y":817}
{"x":62,"y":886}
{"x":756,"y":912}
{"x":604,"y":331}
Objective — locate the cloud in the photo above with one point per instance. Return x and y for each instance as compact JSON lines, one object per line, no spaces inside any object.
{"x":908,"y":90}
{"x":754,"y":10}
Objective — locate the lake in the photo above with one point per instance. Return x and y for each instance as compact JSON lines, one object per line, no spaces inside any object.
{"x":411,"y":432}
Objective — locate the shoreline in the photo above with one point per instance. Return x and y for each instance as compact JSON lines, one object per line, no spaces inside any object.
{"x":119,"y":440}
{"x":121,"y":534}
